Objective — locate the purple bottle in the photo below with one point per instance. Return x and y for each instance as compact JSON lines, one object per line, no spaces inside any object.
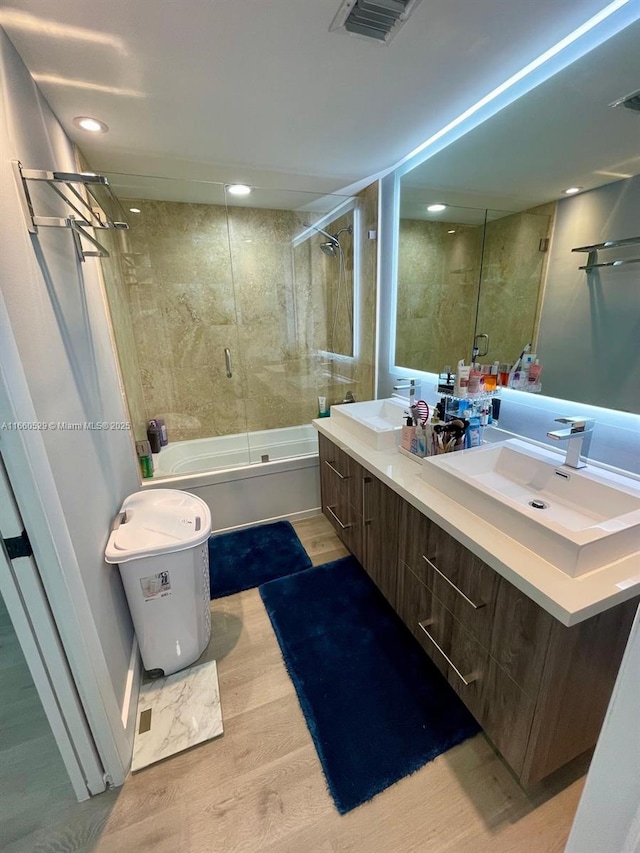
{"x":159,"y":424}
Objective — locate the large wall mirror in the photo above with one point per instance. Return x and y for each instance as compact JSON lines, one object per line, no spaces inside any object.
{"x":493,"y":265}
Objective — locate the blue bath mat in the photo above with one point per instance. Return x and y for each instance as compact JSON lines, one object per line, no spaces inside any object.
{"x":376,"y":707}
{"x":246,"y":558}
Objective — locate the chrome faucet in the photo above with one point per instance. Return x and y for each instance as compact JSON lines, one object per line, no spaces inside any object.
{"x":578,"y":437}
{"x":411,"y":387}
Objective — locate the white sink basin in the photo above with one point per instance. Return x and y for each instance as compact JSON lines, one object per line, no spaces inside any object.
{"x":376,"y":422}
{"x":578,"y":520}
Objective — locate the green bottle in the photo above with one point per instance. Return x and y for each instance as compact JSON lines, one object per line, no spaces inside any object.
{"x":143,"y":449}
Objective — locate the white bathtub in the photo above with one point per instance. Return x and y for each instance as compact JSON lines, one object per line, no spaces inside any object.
{"x":239,"y":488}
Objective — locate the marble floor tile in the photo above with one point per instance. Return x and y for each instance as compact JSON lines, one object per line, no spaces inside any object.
{"x":176,"y":713}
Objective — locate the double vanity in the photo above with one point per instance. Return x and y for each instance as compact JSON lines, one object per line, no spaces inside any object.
{"x":525,"y":609}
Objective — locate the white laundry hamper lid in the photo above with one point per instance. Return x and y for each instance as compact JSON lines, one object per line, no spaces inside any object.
{"x":157,"y":521}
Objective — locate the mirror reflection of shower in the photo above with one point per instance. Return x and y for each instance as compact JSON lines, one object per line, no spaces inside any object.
{"x":333,"y":248}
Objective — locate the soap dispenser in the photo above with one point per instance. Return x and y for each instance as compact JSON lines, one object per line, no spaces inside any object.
{"x":408,"y":433}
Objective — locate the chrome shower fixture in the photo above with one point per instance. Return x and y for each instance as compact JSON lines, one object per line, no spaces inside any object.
{"x":333,"y":243}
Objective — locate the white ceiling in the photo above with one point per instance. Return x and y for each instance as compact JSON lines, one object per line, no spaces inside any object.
{"x":260,"y":91}
{"x":563,"y":133}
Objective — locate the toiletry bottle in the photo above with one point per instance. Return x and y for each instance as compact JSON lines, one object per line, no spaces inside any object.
{"x":462,"y":379}
{"x":473,"y":434}
{"x":408,"y":434}
{"x":533,"y":378}
{"x":475,"y":383}
{"x":491,"y":378}
{"x":153,"y":436}
{"x":429,"y":434}
{"x":323,"y":408}
{"x":145,"y":459}
{"x":503,"y":375}
{"x":421,"y":440}
{"x":164,"y":436}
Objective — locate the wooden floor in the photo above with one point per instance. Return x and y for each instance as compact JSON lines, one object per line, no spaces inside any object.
{"x":259,"y":788}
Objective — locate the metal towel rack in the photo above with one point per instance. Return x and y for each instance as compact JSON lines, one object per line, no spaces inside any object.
{"x":88,"y":210}
{"x":592,"y":259}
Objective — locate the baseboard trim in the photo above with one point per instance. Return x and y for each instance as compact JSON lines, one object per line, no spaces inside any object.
{"x":292,"y":516}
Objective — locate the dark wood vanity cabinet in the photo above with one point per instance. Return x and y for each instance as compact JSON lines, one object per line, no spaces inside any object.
{"x":539,"y":689}
{"x":339,"y":479}
{"x":364,"y":513}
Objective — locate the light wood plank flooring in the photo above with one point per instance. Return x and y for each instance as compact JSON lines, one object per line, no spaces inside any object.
{"x":260,"y":789}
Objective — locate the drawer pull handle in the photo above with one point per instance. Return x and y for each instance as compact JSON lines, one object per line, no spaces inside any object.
{"x":343,"y":526}
{"x":475,"y":606}
{"x":335,"y":470}
{"x":465,"y":679}
{"x":366,"y":521}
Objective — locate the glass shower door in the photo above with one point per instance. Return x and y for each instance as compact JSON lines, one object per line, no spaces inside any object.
{"x":173,"y":305}
{"x":295,"y":308}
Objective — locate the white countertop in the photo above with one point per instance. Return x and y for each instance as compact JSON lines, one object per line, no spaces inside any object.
{"x":570,"y":600}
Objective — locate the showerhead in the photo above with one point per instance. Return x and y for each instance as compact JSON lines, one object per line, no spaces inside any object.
{"x":329,"y":248}
{"x":332,"y":246}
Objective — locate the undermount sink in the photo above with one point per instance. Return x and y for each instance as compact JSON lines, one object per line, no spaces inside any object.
{"x":376,"y":422}
{"x":578,"y":520}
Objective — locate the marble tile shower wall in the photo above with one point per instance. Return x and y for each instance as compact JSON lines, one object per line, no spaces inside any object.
{"x":193,"y":282}
{"x":438,"y":276}
{"x":513,"y":269}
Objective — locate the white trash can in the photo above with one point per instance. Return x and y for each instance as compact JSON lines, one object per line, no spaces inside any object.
{"x":159,"y":541}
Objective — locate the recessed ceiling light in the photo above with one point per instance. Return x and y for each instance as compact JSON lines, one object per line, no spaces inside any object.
{"x":436,"y":208}
{"x":92,"y":125}
{"x":239,"y":189}
{"x":135,"y":210}
{"x":452,"y":231}
{"x":572,"y":190}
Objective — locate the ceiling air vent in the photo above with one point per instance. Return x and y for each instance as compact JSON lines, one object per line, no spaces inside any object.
{"x":630,"y":102}
{"x":379,"y":20}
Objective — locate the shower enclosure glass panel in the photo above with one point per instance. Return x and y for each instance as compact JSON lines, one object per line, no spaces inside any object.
{"x":294,"y":307}
{"x":232,"y":315}
{"x":172,"y":300}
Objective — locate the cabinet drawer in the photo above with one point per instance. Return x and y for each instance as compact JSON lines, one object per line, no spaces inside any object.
{"x":339,"y":472}
{"x":501,"y":707}
{"x":508,"y":624}
{"x":453,"y":650}
{"x":465,"y":585}
{"x":348,"y":525}
{"x":465,"y":660}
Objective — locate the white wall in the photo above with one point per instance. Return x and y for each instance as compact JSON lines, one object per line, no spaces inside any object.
{"x":608,"y":816}
{"x":58,"y":317}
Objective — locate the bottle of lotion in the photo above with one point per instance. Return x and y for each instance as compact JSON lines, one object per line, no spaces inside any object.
{"x":408,"y":434}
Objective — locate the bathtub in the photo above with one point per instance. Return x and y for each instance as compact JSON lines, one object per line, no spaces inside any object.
{"x":246,"y":479}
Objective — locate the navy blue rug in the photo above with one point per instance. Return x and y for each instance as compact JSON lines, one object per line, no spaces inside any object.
{"x":376,"y":707}
{"x":246,"y":558}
